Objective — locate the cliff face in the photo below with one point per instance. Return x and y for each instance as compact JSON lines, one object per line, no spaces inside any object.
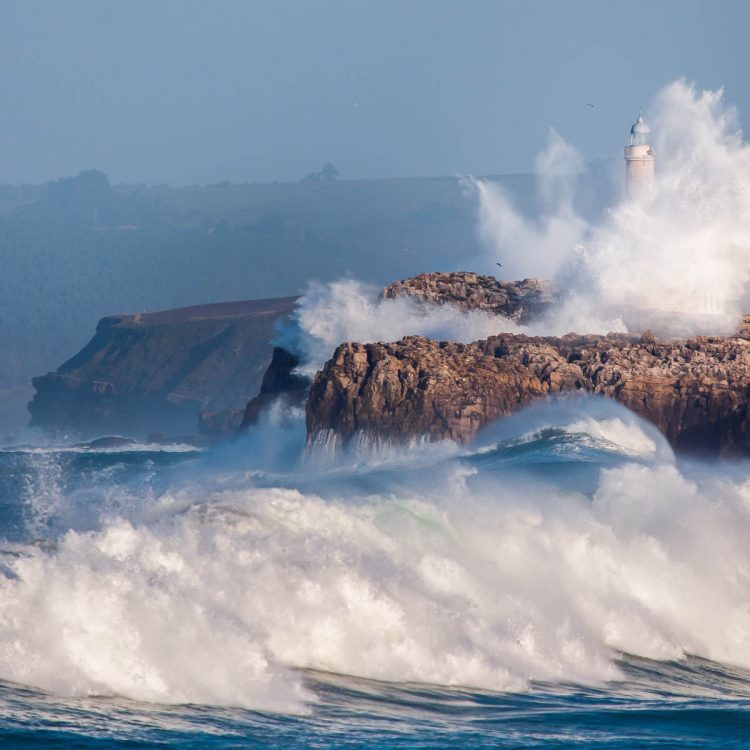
{"x":157,"y":371}
{"x":696,"y":391}
{"x":520,"y":301}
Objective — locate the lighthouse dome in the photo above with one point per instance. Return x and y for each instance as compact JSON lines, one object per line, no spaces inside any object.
{"x":639,"y":132}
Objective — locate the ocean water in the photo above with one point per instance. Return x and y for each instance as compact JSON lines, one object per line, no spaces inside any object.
{"x":564,"y":581}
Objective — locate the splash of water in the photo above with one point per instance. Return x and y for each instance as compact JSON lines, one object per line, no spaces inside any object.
{"x":474,"y":579}
{"x":675,"y":259}
{"x":347,"y":310}
{"x":677,"y":253}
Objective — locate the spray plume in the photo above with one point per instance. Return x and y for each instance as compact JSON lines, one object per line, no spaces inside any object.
{"x":673,"y":258}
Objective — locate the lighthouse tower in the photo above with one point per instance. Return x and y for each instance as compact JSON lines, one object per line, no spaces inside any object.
{"x":639,"y":158}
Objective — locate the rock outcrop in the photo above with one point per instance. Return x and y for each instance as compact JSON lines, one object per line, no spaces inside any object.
{"x":696,"y":391}
{"x":280,"y":383}
{"x":518,"y":300}
{"x":157,"y":371}
{"x":521,"y":301}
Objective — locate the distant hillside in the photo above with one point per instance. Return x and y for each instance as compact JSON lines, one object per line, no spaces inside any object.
{"x":79,"y":249}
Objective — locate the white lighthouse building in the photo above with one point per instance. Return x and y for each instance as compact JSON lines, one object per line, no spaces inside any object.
{"x":639,"y":158}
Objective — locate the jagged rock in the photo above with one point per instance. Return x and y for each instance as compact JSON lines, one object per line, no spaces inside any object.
{"x":520,"y":301}
{"x":696,"y":391}
{"x":279,"y":382}
{"x":157,"y":371}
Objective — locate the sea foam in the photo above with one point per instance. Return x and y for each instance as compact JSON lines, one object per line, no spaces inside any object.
{"x":453,"y":576}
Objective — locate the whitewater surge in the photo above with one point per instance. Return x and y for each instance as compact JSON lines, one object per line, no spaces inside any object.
{"x":676,"y":254}
{"x":348,"y":310}
{"x":461,"y":573}
{"x":673,"y":259}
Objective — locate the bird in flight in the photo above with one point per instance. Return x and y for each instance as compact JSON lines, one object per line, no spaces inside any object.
{"x":589,"y":105}
{"x":499,"y":264}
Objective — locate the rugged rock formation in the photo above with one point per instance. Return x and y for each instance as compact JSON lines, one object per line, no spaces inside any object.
{"x":279,"y":383}
{"x":696,"y":391}
{"x":518,"y":300}
{"x":158,"y":371}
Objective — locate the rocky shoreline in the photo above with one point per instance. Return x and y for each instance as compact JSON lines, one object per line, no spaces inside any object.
{"x":696,"y":391}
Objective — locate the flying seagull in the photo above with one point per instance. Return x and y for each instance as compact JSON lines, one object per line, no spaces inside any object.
{"x":589,"y":105}
{"x":499,"y":264}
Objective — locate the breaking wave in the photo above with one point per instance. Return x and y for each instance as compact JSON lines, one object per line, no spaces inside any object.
{"x":481,"y":568}
{"x":673,"y":258}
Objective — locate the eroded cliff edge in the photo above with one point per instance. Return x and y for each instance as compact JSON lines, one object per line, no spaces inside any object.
{"x":696,"y":391}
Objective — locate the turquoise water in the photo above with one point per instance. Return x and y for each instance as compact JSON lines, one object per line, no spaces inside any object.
{"x":564,"y":581}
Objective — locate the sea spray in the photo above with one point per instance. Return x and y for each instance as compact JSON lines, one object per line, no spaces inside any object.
{"x":673,"y":258}
{"x":459,"y":572}
{"x":348,"y":310}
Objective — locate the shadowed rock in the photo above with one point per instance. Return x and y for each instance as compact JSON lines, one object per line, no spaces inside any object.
{"x":280,"y":382}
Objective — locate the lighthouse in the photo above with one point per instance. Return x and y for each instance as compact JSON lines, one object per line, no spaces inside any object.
{"x":639,"y":158}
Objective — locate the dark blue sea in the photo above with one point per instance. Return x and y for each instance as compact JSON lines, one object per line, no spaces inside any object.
{"x":564,"y":581}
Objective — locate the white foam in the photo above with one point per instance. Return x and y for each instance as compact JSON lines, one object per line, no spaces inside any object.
{"x":124,"y":448}
{"x":219,"y":594}
{"x":624,"y":435}
{"x":680,"y":249}
{"x":451,"y":581}
{"x":347,"y":310}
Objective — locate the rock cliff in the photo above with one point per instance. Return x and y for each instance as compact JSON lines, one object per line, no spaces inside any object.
{"x":696,"y":391}
{"x":158,"y":371}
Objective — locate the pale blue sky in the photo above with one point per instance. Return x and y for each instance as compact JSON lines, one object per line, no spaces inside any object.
{"x":183,"y":91}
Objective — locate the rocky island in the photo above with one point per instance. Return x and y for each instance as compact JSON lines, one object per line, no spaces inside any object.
{"x":696,"y":391}
{"x":159,"y":370}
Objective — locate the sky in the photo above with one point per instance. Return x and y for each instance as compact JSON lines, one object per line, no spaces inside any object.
{"x":184,"y":92}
